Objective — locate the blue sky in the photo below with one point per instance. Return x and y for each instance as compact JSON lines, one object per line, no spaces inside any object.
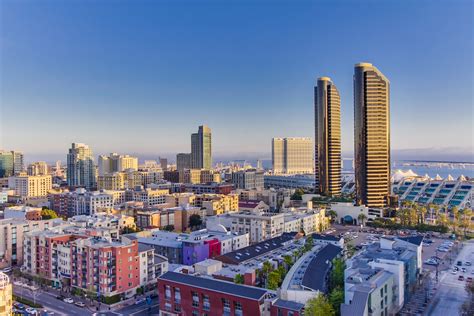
{"x":140,"y":76}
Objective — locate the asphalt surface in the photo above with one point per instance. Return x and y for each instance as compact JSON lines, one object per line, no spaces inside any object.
{"x":50,"y":302}
{"x":451,"y":293}
{"x":60,"y":308}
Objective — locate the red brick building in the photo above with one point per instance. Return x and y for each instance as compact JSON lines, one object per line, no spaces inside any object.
{"x":184,"y":294}
{"x":105,"y":267}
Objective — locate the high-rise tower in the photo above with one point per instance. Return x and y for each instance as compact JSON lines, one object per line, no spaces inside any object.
{"x":371,"y":135}
{"x":201,"y":148}
{"x":327,"y":114}
{"x":80,"y":167}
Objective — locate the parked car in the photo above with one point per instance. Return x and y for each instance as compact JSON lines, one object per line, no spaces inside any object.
{"x":469,"y":280}
{"x":461,"y":278}
{"x":464,"y":270}
{"x":60,"y":297}
{"x":68,"y":300}
{"x":468,"y":263}
{"x":140,"y":300}
{"x":80,"y":304}
{"x":459,"y":263}
{"x":454,"y":271}
{"x":31,"y":311}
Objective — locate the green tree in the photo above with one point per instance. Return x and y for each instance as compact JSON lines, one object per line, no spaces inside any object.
{"x":455,"y":220}
{"x":309,"y":243}
{"x":195,"y":221}
{"x":336,"y":277}
{"x":298,"y":195}
{"x":274,"y":278}
{"x":239,"y":279}
{"x":129,"y":230}
{"x":318,"y":306}
{"x":333,"y":215}
{"x":336,"y":298}
{"x":169,"y":228}
{"x":288,"y":260}
{"x":362,"y":218}
{"x":48,"y":214}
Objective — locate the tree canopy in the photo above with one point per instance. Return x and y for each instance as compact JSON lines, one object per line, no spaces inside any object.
{"x":195,"y":221}
{"x":48,"y":214}
{"x":319,"y":306}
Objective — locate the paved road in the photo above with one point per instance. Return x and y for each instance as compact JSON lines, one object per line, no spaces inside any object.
{"x":141,"y":309}
{"x":51,"y":303}
{"x":451,"y":293}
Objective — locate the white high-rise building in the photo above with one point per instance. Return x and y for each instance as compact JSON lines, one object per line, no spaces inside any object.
{"x":80,"y":167}
{"x":116,"y":163}
{"x":293,"y":155}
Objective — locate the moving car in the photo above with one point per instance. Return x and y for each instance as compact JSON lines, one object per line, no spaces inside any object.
{"x":68,"y":300}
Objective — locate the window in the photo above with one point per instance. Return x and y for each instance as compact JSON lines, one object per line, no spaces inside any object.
{"x":226,"y":306}
{"x":195,"y":313}
{"x":177,"y":295}
{"x":381,"y":292}
{"x":177,"y":308}
{"x":167,"y":292}
{"x":238,"y":309}
{"x":206,"y":303}
{"x":385,"y":288}
{"x":195,"y":299}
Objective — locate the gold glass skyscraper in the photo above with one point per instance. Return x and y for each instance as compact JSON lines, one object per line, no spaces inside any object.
{"x":327,"y":121}
{"x":201,"y":148}
{"x":371,"y":135}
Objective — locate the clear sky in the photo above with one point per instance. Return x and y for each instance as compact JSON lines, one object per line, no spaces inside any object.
{"x":140,"y":76}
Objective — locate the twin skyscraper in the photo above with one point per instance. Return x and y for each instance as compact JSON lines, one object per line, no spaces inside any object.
{"x":371,"y":136}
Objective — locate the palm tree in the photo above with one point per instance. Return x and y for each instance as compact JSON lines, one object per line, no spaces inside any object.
{"x":455,"y":220}
{"x":423,"y":212}
{"x":333,"y":215}
{"x":362,"y":218}
{"x":443,"y":219}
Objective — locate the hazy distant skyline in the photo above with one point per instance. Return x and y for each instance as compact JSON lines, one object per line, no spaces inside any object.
{"x":141,"y":76}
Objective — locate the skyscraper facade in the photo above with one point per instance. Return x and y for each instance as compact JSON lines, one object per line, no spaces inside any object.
{"x":371,"y":135}
{"x":292,"y":155}
{"x":80,"y":167}
{"x":183,"y":161}
{"x":327,"y":140}
{"x":201,"y":148}
{"x":11,"y":163}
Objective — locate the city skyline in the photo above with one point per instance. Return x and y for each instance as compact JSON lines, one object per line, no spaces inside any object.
{"x":268,"y":73}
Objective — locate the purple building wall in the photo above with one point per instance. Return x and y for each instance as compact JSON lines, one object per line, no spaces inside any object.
{"x":194,"y":252}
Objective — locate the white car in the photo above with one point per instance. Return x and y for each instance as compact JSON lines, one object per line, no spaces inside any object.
{"x":454,"y":272}
{"x":68,"y":300}
{"x":80,"y":304}
{"x":31,"y":311}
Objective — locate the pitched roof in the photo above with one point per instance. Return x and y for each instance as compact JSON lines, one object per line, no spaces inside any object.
{"x":315,"y":275}
{"x":219,"y":286}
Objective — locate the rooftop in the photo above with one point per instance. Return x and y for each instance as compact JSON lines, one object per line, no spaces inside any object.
{"x":215,"y":285}
{"x":256,"y":250}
